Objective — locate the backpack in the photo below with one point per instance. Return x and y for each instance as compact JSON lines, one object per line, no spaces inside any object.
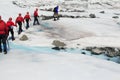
{"x":54,"y":9}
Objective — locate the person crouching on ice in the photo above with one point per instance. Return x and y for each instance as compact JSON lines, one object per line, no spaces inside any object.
{"x":27,"y":19}
{"x":10,"y":25}
{"x":19,"y":21}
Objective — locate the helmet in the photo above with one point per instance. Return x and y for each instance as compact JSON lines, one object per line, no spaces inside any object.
{"x":10,"y":18}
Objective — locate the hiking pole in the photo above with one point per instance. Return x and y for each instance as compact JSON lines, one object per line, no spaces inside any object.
{"x":8,"y":44}
{"x":39,"y":19}
{"x":24,"y":25}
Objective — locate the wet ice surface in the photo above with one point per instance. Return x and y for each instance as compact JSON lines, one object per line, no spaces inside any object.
{"x":48,"y":50}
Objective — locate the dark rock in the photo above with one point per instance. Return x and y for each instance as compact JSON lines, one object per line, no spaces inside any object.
{"x":78,"y":44}
{"x":88,"y":49}
{"x":102,"y":11}
{"x":96,"y":51}
{"x":50,"y":9}
{"x":108,"y":51}
{"x":56,"y":48}
{"x":92,"y":16}
{"x":117,"y":13}
{"x":58,"y":43}
{"x":115,"y":17}
{"x":14,"y":2}
{"x":83,"y":17}
{"x":60,"y":15}
{"x":46,"y":17}
{"x":78,"y":16}
{"x":24,"y":38}
{"x":72,"y":16}
{"x":78,"y":10}
{"x":62,"y":48}
{"x":111,"y":52}
{"x":83,"y":53}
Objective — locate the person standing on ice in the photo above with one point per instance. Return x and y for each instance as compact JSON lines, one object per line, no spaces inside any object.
{"x":10,"y":24}
{"x":36,"y":17}
{"x":55,"y":15}
{"x":19,"y":21}
{"x":3,"y":36}
{"x":27,"y":19}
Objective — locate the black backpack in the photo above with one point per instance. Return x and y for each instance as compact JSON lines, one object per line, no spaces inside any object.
{"x":54,"y":9}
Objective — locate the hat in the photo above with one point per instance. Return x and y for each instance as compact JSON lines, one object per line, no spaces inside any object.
{"x":10,"y":18}
{"x":36,"y":9}
{"x":27,"y":12}
{"x":19,"y":14}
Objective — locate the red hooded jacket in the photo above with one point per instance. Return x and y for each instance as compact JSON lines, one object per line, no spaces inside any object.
{"x":3,"y":27}
{"x":10,"y":23}
{"x":19,"y":19}
{"x":27,"y":16}
{"x":35,"y":13}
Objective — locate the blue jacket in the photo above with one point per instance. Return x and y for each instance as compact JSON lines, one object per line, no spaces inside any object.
{"x":56,"y":9}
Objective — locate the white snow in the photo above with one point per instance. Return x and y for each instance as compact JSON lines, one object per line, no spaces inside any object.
{"x":35,"y":60}
{"x":56,"y":66}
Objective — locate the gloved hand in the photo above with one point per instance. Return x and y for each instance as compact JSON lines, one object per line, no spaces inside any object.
{"x":15,"y":24}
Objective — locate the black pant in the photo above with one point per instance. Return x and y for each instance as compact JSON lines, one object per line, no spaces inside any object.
{"x":20,"y":27}
{"x":55,"y":15}
{"x":27,"y":23}
{"x":3,"y":40}
{"x":36,"y":20}
{"x":12,"y":32}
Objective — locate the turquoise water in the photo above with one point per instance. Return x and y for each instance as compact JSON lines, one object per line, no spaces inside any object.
{"x":38,"y":50}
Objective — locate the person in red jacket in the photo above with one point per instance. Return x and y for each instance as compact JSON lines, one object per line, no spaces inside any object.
{"x":27,"y":19}
{"x":19,"y":21}
{"x":3,"y":36}
{"x":10,"y":25}
{"x":36,"y":17}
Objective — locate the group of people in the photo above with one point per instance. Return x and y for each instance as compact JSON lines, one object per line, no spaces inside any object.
{"x":20,"y":20}
{"x":7,"y":27}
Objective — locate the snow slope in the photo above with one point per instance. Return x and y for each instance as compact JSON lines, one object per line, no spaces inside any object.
{"x":90,"y":4}
{"x":56,"y":66}
{"x":29,"y":60}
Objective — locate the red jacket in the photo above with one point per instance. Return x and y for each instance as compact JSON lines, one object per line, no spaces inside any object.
{"x":27,"y":16}
{"x":19,"y":19}
{"x":10,"y":23}
{"x":3,"y":27}
{"x":35,"y":13}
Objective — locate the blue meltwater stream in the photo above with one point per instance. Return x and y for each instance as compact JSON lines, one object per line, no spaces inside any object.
{"x":49,"y":50}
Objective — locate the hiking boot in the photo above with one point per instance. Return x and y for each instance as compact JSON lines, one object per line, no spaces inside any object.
{"x":18,"y":33}
{"x":0,"y":50}
{"x":38,"y":23}
{"x":13,"y":39}
{"x":54,"y":19}
{"x":5,"y":52}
